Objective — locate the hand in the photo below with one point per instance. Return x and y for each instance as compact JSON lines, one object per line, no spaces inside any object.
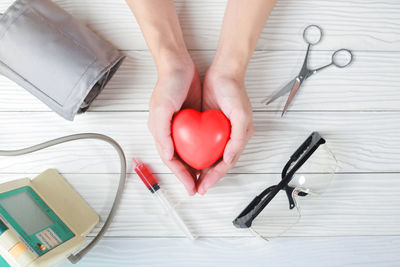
{"x":177,"y":87}
{"x":226,"y":92}
{"x":223,"y":85}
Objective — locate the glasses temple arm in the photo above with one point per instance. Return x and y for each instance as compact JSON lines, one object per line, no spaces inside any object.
{"x":288,"y":189}
{"x":274,"y":191}
{"x":311,"y":143}
{"x":246,"y":217}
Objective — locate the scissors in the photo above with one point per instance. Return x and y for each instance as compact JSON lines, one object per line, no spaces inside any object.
{"x":305,"y":73}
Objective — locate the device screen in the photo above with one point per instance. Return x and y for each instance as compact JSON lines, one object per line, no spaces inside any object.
{"x":26,"y":212}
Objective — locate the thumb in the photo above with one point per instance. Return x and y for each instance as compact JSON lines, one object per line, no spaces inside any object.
{"x":241,"y":132}
{"x":160,"y":126}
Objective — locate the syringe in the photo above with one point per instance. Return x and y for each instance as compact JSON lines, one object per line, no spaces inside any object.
{"x":152,"y":184}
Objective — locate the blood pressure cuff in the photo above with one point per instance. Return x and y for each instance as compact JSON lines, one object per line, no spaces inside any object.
{"x":54,"y":56}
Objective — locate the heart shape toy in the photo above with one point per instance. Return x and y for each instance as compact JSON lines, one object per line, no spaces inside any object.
{"x":200,"y":137}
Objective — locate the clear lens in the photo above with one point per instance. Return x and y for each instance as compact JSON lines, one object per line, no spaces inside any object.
{"x":276,"y":218}
{"x":317,"y":172}
{"x":313,"y":178}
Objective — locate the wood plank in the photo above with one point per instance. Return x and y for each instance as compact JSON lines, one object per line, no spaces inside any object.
{"x":365,"y":25}
{"x":362,"y":142}
{"x":337,"y":251}
{"x":354,"y":204}
{"x":355,"y":109}
{"x":369,"y":84}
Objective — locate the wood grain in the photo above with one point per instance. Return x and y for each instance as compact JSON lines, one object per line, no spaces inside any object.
{"x":337,"y":251}
{"x":363,"y":142}
{"x":355,"y":222}
{"x":369,"y":84}
{"x":348,"y":207}
{"x":357,"y":24}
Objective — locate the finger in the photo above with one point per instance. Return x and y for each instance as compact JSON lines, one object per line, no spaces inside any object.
{"x":181,"y":172}
{"x":211,"y":176}
{"x":241,"y":132}
{"x":183,"y":175}
{"x":193,"y":99}
{"x":160,"y":127}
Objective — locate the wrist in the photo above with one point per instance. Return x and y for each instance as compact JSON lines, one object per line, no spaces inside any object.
{"x":172,"y":60}
{"x":231,"y":62}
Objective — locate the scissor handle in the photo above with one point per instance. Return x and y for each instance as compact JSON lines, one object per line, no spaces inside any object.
{"x":311,"y":30}
{"x":337,"y":58}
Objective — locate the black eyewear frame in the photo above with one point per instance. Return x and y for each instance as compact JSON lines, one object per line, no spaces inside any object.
{"x":302,"y":154}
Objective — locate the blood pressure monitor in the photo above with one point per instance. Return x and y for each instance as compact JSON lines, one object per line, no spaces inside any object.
{"x":45,"y":220}
{"x":42,"y":220}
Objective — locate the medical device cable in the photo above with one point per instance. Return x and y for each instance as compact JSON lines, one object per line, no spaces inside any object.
{"x":77,"y":257}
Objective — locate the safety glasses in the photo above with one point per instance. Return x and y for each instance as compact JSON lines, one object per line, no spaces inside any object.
{"x":308,"y":173}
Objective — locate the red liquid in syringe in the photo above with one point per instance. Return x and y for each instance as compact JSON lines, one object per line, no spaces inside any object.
{"x":146,"y":176}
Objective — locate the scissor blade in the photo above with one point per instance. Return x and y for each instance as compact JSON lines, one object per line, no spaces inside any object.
{"x":295,"y":88}
{"x":281,"y":92}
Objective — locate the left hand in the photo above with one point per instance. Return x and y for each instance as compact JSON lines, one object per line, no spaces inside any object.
{"x":227,"y":93}
{"x":178,"y":87}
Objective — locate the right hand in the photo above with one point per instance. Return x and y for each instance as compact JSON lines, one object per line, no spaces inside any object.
{"x":226,"y":91}
{"x":178,"y":87}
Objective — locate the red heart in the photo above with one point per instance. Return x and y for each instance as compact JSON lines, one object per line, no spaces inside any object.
{"x":200,"y":138}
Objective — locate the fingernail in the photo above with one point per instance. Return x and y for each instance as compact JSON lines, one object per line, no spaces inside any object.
{"x":192,"y":191}
{"x":167,"y":154}
{"x":202,"y":190}
{"x":229,"y":158}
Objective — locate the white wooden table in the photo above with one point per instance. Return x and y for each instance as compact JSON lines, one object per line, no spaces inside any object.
{"x":356,"y":109}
